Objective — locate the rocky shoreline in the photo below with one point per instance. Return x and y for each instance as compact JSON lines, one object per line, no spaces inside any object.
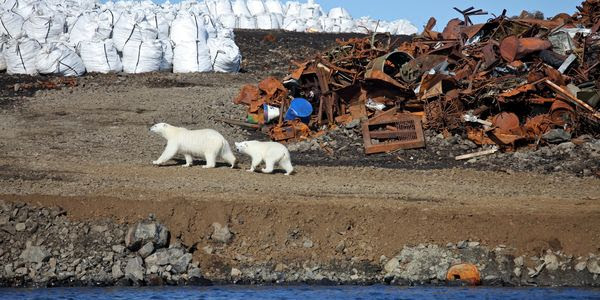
{"x":41,"y":247}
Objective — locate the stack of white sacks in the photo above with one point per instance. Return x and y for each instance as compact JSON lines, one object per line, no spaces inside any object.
{"x":70,"y":37}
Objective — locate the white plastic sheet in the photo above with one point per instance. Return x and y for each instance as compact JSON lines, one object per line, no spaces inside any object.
{"x":20,"y":56}
{"x":142,"y":56}
{"x":191,"y":57}
{"x":100,"y":56}
{"x":59,"y":59}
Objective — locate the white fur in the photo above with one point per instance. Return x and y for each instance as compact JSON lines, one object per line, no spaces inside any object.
{"x":270,"y":152}
{"x":207,"y":143}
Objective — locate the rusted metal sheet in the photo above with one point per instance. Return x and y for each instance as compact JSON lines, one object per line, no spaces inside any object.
{"x":513,"y":48}
{"x":392,"y":132}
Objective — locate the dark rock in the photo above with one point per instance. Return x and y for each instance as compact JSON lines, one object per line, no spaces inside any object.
{"x":35,"y":254}
{"x":142,"y":233}
{"x":154,"y":280}
{"x":557,"y":136}
{"x":9,"y":229}
{"x":134,"y":270}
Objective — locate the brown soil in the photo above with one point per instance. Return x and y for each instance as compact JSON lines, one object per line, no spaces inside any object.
{"x":88,"y":150}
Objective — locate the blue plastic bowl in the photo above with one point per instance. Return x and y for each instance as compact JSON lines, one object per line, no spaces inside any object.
{"x":301,"y":109}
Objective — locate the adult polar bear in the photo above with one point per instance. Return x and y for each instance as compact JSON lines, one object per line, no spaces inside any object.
{"x":204,"y":142}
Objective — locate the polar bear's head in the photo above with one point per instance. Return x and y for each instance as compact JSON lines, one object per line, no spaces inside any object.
{"x":159,"y":128}
{"x":241,"y":146}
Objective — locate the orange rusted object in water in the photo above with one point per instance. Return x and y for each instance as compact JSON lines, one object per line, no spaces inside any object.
{"x":464,"y":272}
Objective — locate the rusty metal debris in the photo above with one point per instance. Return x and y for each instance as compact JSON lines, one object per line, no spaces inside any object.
{"x":505,"y":82}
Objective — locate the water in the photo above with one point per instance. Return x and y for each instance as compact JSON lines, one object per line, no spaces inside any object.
{"x":300,"y":292}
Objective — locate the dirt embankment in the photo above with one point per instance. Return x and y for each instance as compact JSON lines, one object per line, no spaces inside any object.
{"x":88,"y":149}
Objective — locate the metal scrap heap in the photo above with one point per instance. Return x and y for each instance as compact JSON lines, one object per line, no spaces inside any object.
{"x":509,"y":82}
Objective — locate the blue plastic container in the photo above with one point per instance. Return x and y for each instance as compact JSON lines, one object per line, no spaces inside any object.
{"x":301,"y":109}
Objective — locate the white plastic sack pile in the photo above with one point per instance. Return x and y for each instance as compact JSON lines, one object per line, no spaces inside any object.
{"x":20,"y":56}
{"x":142,"y":56}
{"x":100,"y":56}
{"x":59,"y":59}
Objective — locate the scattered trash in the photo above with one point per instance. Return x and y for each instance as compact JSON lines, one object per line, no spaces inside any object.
{"x":507,"y":83}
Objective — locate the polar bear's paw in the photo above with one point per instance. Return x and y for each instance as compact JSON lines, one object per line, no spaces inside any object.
{"x":207,"y":167}
{"x":250,"y":170}
{"x":156,"y":163}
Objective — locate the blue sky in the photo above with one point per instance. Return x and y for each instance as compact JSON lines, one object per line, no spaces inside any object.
{"x":419,"y":11}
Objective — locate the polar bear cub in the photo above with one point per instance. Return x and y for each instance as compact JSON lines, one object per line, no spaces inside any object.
{"x":270,"y":152}
{"x":207,"y":143}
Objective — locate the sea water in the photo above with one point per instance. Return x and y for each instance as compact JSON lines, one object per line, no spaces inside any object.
{"x":300,"y":292}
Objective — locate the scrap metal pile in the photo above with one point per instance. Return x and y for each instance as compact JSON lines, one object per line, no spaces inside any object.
{"x":508,"y":82}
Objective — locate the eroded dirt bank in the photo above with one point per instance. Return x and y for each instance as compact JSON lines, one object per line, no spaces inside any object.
{"x":87,"y":149}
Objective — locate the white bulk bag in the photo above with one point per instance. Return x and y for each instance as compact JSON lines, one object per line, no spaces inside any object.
{"x":256,"y":7}
{"x":23,"y":8}
{"x":166,"y":62}
{"x":188,"y":27}
{"x":314,"y":25}
{"x":310,"y":11}
{"x":191,"y":57}
{"x":2,"y":60}
{"x":223,"y":7}
{"x":293,"y":9}
{"x":294,"y":24}
{"x":90,"y":26}
{"x":339,"y":13}
{"x":246,"y":22}
{"x":100,"y":56}
{"x":347,"y":25}
{"x":267,"y":21}
{"x":12,"y":24}
{"x":142,"y":56}
{"x":57,"y":58}
{"x":274,"y":7}
{"x":225,"y":55}
{"x":160,"y":24}
{"x":228,"y":21}
{"x":240,"y":8}
{"x":132,"y":28}
{"x":44,"y":25}
{"x":20,"y":56}
{"x":405,"y":27}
